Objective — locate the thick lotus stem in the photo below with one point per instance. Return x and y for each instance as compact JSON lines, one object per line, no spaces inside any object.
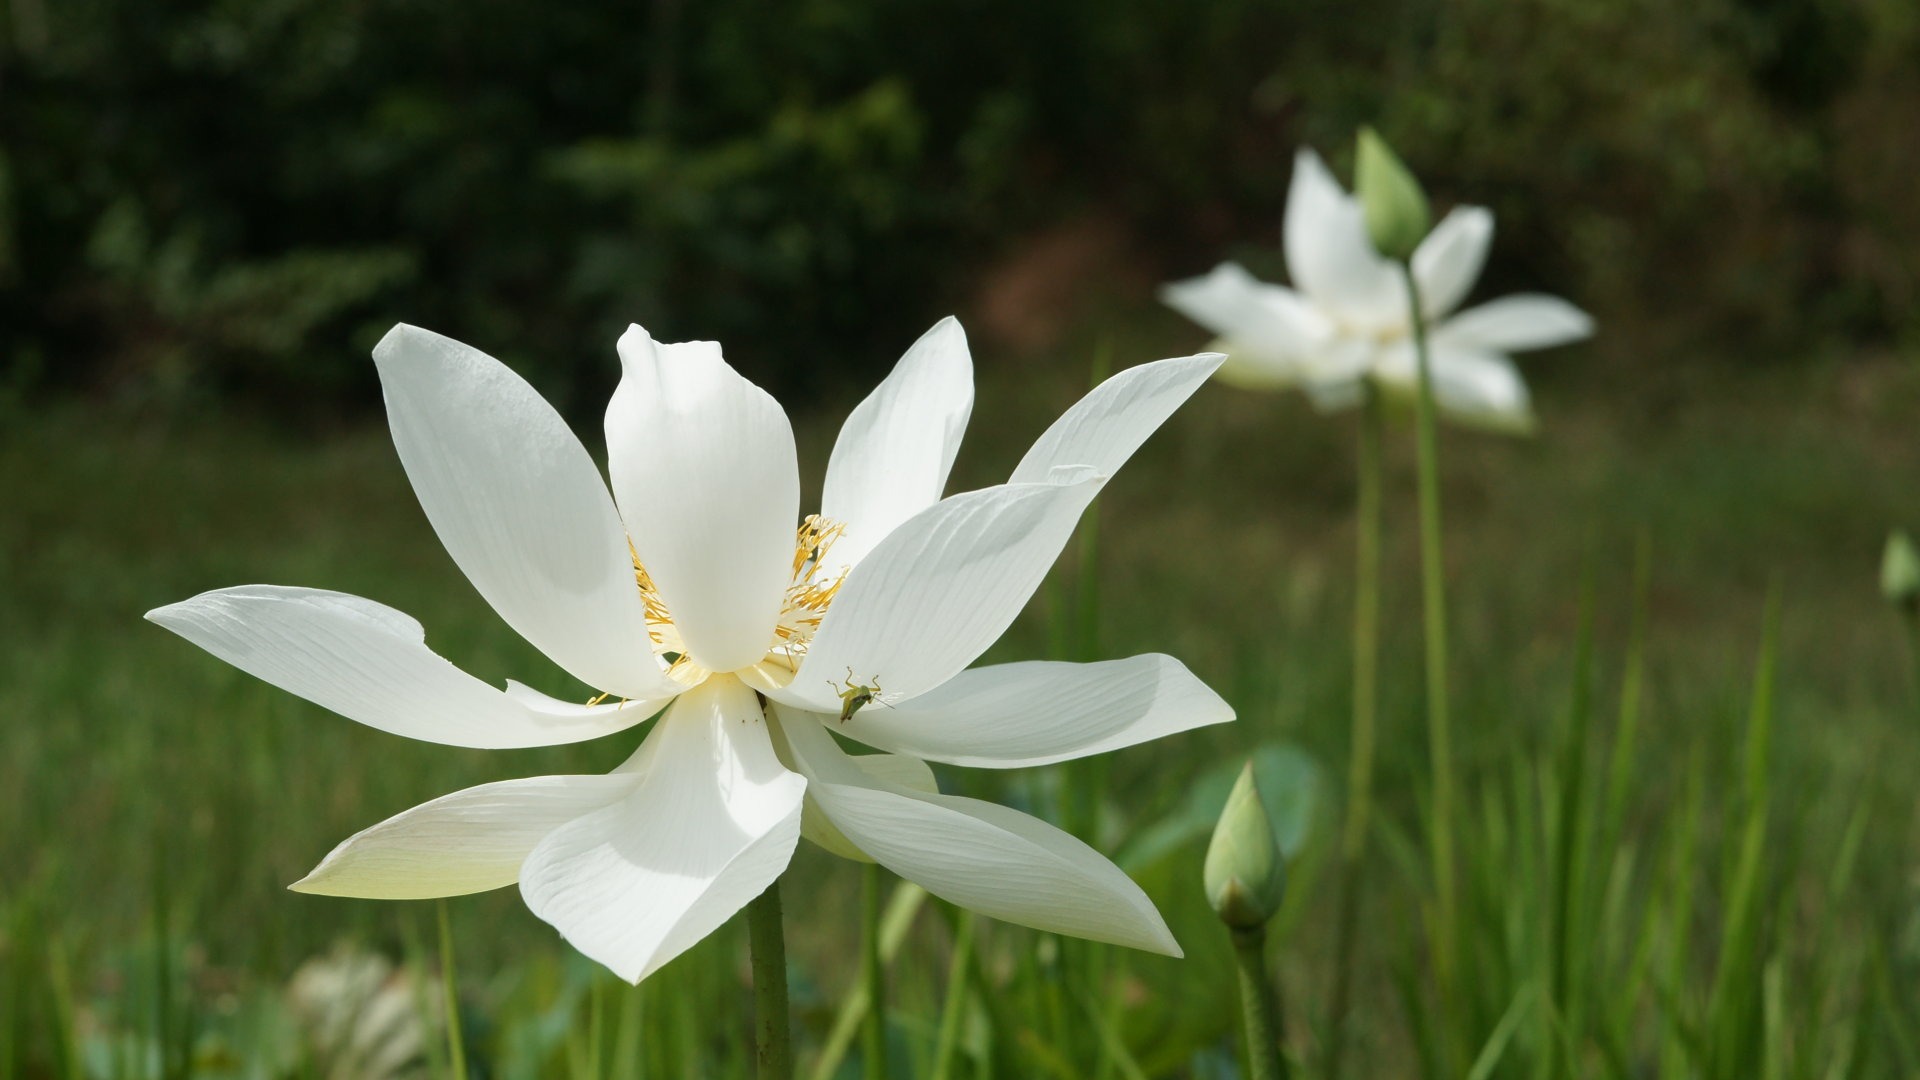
{"x":1259,"y":1006}
{"x":773,"y":1044}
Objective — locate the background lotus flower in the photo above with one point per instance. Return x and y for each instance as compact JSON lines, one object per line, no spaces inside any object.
{"x":687,"y":589}
{"x":1345,"y":320}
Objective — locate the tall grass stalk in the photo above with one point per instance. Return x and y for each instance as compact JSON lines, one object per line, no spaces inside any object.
{"x":896,"y":918}
{"x":873,"y":1034}
{"x":1366,"y":664}
{"x":1434,"y":612}
{"x":953,"y":1008}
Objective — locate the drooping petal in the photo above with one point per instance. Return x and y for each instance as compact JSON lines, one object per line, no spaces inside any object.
{"x":937,"y":591}
{"x":703,"y":467}
{"x":897,"y":447}
{"x":1471,"y":387}
{"x":712,"y":822}
{"x":895,"y":769}
{"x":1329,"y":254}
{"x":466,"y":842}
{"x":1102,"y":430}
{"x":519,"y":505}
{"x":1039,"y":712}
{"x":984,"y":857}
{"x":1515,"y":324}
{"x":1450,"y":259}
{"x":371,"y":663}
{"x":1240,"y":307}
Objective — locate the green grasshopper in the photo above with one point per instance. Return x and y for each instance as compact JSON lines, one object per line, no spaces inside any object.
{"x":854,"y":696}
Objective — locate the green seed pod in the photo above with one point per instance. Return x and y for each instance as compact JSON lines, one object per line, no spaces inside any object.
{"x":1900,"y":573}
{"x":1245,"y":875}
{"x":1397,"y":213}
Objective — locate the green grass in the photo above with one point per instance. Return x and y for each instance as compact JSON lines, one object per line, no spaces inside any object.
{"x":1690,"y":857}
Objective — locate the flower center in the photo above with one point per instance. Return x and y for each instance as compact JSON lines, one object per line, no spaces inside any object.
{"x":812,"y":588}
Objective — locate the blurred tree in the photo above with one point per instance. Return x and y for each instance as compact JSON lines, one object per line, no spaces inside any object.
{"x":237,"y":196}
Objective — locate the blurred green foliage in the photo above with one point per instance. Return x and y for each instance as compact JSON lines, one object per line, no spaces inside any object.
{"x":237,"y":196}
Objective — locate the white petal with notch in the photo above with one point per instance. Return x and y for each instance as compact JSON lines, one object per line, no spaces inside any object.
{"x":703,"y":468}
{"x":371,"y":663}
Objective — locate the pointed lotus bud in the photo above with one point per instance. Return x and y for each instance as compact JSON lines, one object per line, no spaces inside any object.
{"x":1900,"y":573}
{"x":1396,"y":208}
{"x":1246,"y":875}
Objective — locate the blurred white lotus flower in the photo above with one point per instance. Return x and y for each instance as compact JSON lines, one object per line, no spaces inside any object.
{"x":1346,"y":319}
{"x":689,"y":588}
{"x":362,"y":1018}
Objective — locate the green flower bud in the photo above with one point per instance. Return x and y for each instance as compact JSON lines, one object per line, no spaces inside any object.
{"x":1900,"y":573}
{"x":1246,"y":875}
{"x":1396,"y":208}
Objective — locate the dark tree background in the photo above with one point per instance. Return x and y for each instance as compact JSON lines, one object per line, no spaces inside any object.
{"x":232,"y":199}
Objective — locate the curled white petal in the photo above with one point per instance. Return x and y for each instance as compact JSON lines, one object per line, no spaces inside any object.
{"x":371,"y":663}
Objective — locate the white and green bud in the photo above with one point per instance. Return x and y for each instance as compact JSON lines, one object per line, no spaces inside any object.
{"x":1396,"y":209}
{"x":1245,"y":874}
{"x":1900,"y":573}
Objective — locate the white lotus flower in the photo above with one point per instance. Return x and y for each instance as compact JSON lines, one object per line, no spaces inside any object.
{"x":1346,"y":321}
{"x":688,"y":588}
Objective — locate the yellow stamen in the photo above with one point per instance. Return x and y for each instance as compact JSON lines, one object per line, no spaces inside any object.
{"x":810,"y":592}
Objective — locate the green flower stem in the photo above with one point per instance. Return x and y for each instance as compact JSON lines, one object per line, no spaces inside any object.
{"x":773,"y":1059}
{"x":1259,"y":1006}
{"x":873,"y":1033}
{"x":1366,"y":665}
{"x":1913,"y":643}
{"x":1434,"y":602}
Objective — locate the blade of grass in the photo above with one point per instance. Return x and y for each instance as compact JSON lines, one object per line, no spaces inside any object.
{"x":895,"y":920}
{"x":1496,"y":1045}
{"x":953,"y":1008}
